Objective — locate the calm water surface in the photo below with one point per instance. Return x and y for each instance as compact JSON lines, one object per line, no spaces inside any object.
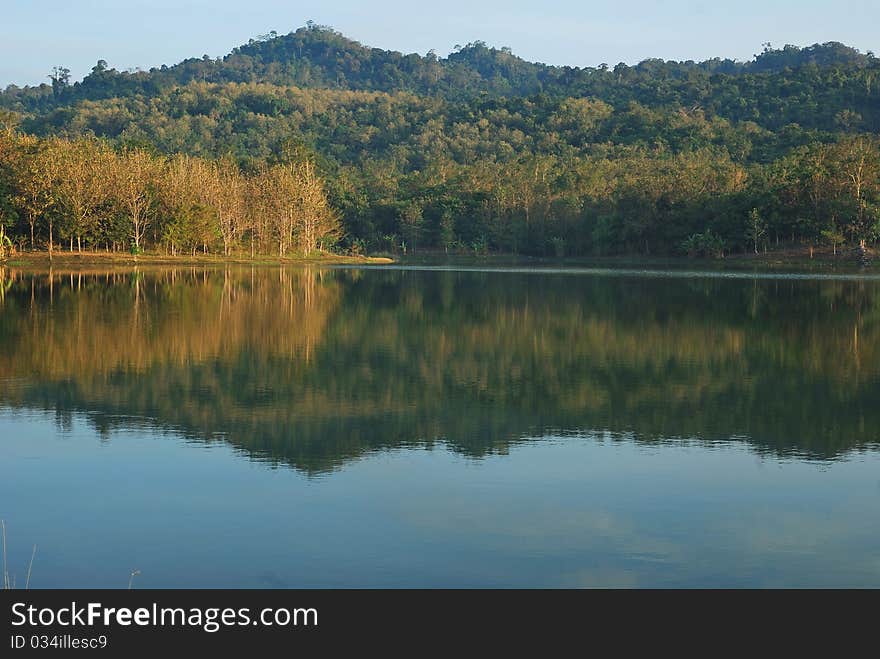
{"x":260,"y":427}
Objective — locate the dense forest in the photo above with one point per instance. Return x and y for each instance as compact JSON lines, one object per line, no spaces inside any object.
{"x":319,"y":142}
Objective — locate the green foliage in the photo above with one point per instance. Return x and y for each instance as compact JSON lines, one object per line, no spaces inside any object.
{"x":833,"y":237}
{"x":704,"y":244}
{"x":485,"y":148}
{"x":447,"y":230}
{"x":480,"y":245}
{"x":808,"y":86}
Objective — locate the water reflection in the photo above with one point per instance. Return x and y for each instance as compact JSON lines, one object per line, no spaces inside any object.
{"x":314,"y":368}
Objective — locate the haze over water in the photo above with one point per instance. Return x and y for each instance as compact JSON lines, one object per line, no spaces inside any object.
{"x":268,"y":427}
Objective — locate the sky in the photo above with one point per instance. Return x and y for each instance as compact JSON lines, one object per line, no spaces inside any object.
{"x":36,"y":35}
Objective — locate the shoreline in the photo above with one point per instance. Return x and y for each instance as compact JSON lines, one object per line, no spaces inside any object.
{"x":793,"y":258}
{"x":801,"y":258}
{"x":41,"y":260}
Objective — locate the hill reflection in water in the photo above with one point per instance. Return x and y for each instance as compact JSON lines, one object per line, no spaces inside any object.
{"x":316,"y":367}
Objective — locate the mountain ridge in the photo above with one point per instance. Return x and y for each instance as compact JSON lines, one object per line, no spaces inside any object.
{"x":317,"y":56}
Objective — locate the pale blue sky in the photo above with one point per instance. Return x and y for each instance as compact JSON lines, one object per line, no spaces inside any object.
{"x":38,"y":34}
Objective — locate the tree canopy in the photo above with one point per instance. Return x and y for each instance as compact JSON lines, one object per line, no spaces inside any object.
{"x":482,"y":150}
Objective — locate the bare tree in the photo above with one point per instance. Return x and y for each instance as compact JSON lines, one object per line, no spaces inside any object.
{"x":279,"y":192}
{"x":83,"y":183}
{"x":225,"y":192}
{"x":860,"y":169}
{"x":135,"y":189}
{"x":316,"y":221}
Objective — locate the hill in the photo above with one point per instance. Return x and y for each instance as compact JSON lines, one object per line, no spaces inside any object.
{"x":778,"y":87}
{"x":484,"y":150}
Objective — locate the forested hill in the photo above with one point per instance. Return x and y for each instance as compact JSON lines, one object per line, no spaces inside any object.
{"x":480,"y":150}
{"x":808,"y":86}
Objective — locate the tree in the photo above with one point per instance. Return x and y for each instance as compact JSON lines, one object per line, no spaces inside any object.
{"x":277,"y":192}
{"x":318,"y":224}
{"x":85,"y":170}
{"x":135,"y":174}
{"x":447,"y":229}
{"x":7,"y":219}
{"x":756,"y":228}
{"x":60,"y":78}
{"x":5,"y":242}
{"x":35,"y":171}
{"x":834,"y":237}
{"x":224,"y":192}
{"x":187,"y":219}
{"x":9,"y":121}
{"x":861,"y":165}
{"x":412,"y":223}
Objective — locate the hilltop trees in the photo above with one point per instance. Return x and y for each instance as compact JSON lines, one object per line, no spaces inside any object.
{"x":815,"y":87}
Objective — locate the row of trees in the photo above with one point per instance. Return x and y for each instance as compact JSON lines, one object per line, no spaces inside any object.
{"x":636,"y":202}
{"x":88,"y":194}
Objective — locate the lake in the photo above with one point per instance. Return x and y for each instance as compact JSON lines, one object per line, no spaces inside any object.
{"x":438,"y":427}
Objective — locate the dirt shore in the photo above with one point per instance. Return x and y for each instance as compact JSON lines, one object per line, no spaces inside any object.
{"x":41,"y":260}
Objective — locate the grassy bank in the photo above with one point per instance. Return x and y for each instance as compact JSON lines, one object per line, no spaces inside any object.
{"x":817,"y":259}
{"x":59,"y":259}
{"x":793,"y":258}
